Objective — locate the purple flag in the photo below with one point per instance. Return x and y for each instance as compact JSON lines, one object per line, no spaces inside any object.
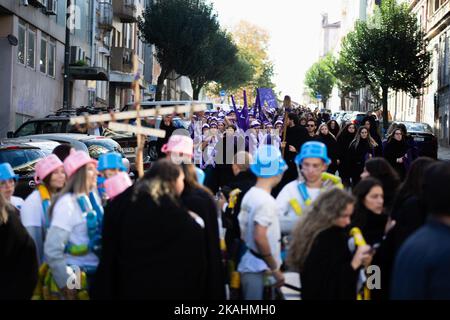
{"x":267,"y":98}
{"x":262,"y":116}
{"x":242,"y":117}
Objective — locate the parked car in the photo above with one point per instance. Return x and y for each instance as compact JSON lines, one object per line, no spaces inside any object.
{"x":422,"y":138}
{"x":22,"y":155}
{"x":94,"y":145}
{"x":60,"y":123}
{"x":356,"y":118}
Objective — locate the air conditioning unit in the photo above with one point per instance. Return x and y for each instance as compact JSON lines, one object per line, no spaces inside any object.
{"x":51,"y":7}
{"x":77,"y":54}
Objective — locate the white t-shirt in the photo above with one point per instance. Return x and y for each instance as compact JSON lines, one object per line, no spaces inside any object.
{"x":287,"y":215}
{"x":260,"y":207}
{"x":32,"y":213}
{"x":67,"y":215}
{"x":17,"y":202}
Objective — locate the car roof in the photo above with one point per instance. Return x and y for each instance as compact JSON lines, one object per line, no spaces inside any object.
{"x":65,"y":136}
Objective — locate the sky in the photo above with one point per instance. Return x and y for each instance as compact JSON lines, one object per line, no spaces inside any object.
{"x":294,"y":27}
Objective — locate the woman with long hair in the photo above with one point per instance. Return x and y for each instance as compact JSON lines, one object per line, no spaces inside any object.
{"x":319,"y":249}
{"x":334,"y":127}
{"x":325,"y":136}
{"x":409,"y":213}
{"x":396,"y":152}
{"x":153,"y":248}
{"x":344,"y":139}
{"x":380,"y":169}
{"x":360,"y":150}
{"x":50,"y":179}
{"x":18,"y":267}
{"x":73,"y":238}
{"x":8,"y":181}
{"x":369,"y":215}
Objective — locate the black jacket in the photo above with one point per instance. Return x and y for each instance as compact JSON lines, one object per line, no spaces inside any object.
{"x":18,"y":261}
{"x":331,"y":144}
{"x":409,"y":215}
{"x":203,"y":204}
{"x":343,"y":143}
{"x":372,"y":225}
{"x":392,"y":151}
{"x":357,"y":154}
{"x":295,"y":136}
{"x":327,"y":273}
{"x":150,"y":251}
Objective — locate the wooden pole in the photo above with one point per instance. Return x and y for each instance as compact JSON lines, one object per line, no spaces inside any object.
{"x":137,"y":104}
{"x":285,"y":125}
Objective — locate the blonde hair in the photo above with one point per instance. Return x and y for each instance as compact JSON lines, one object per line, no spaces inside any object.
{"x":320,"y":216}
{"x":76,"y":184}
{"x":325,"y":125}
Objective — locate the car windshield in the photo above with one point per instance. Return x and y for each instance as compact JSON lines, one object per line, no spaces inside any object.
{"x":22,"y":160}
{"x":418,"y":127}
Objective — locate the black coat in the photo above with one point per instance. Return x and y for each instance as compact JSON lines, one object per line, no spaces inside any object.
{"x":331,"y":144}
{"x":392,"y":151}
{"x":162,"y":141}
{"x":18,"y":261}
{"x":203,"y":204}
{"x":295,"y":136}
{"x":343,"y":143}
{"x":409,"y":215}
{"x":150,"y":251}
{"x":327,"y":273}
{"x":244,"y":181}
{"x":372,"y":225}
{"x":357,"y":156}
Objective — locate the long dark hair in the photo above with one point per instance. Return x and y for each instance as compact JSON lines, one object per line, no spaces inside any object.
{"x":159,"y":181}
{"x":413,"y":184}
{"x":190,"y":179}
{"x":344,"y":131}
{"x":360,"y":192}
{"x":382,"y":170}
{"x":370,"y":140}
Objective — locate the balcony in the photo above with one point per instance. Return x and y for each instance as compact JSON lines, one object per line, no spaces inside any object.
{"x":88,"y":73}
{"x":439,"y":20}
{"x":122,"y":59}
{"x":125,"y":10}
{"x":105,"y":18}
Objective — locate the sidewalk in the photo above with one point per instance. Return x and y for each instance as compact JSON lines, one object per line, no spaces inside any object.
{"x":443,"y":153}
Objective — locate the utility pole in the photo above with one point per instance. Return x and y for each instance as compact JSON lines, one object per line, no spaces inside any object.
{"x":67,"y":57}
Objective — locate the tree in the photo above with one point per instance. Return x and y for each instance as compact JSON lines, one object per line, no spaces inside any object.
{"x":180,"y":30}
{"x":320,"y":79}
{"x":389,"y":52}
{"x":346,"y":81}
{"x":253,"y":44}
{"x":213,"y":62}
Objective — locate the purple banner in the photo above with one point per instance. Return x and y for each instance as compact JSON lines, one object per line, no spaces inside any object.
{"x":267,"y":98}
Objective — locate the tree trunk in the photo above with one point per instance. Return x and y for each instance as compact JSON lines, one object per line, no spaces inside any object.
{"x":384,"y":100}
{"x":160,"y":84}
{"x":196,"y":93}
{"x":342,"y":102}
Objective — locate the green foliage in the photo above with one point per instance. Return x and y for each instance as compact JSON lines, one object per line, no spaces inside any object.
{"x":388,"y":52}
{"x":320,"y":78}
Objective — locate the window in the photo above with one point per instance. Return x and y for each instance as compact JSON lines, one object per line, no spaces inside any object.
{"x":43,"y":59}
{"x":21,"y":46}
{"x":26,"y":129}
{"x":31,"y":44}
{"x":51,"y":58}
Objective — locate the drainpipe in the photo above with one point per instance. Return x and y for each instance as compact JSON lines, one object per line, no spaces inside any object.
{"x":93,"y":21}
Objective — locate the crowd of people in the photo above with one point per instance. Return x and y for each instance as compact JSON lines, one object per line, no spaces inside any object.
{"x":227,"y":209}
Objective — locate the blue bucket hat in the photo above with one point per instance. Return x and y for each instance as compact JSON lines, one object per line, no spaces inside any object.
{"x":112,"y":160}
{"x":313,"y":149}
{"x":7,"y":172}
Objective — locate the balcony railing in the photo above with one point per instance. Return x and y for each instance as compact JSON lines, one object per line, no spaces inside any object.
{"x":122,"y":59}
{"x":105,"y":19}
{"x":126,"y":10}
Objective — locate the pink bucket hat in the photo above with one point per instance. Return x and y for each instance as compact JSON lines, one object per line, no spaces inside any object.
{"x":75,"y":161}
{"x":46,"y":166}
{"x":179,"y":144}
{"x":117,"y":184}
